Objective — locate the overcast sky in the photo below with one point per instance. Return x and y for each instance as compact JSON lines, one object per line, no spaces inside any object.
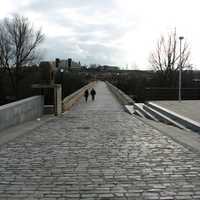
{"x":117,"y":32}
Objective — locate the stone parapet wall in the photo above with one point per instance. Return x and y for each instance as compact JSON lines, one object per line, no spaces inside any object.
{"x":20,"y":111}
{"x":121,"y":96}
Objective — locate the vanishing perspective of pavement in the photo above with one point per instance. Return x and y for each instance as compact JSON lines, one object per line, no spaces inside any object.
{"x":97,"y":151}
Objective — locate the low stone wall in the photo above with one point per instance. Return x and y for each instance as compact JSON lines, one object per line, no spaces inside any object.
{"x":121,"y":96}
{"x":70,"y":100}
{"x":185,"y":121}
{"x":20,"y":111}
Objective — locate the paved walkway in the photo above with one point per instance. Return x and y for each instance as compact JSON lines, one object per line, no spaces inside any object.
{"x":97,"y":151}
{"x":187,"y":108}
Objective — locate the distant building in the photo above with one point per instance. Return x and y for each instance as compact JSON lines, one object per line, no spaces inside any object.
{"x":66,"y":65}
{"x":69,"y":65}
{"x":62,"y":64}
{"x":107,"y":68}
{"x":73,"y":66}
{"x":93,"y":66}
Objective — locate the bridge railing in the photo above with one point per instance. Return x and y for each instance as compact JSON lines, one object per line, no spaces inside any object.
{"x":123,"y":98}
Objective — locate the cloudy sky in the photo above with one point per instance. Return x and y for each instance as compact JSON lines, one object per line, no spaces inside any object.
{"x":117,"y":32}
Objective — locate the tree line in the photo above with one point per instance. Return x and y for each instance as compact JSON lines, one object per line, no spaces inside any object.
{"x":161,"y":83}
{"x":147,"y":85}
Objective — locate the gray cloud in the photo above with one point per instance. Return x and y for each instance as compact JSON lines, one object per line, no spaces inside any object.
{"x":53,"y":5}
{"x":126,"y":30}
{"x":94,"y":28}
{"x":82,"y":50}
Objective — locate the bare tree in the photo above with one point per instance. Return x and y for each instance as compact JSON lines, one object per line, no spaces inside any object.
{"x":166,"y":57}
{"x":6,"y":53}
{"x":18,"y":46}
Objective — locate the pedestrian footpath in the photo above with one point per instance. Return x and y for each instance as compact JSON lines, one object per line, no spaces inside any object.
{"x":97,"y":151}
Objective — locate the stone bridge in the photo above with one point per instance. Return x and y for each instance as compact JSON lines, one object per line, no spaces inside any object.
{"x":97,"y":151}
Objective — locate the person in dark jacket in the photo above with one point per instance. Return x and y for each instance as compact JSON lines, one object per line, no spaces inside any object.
{"x":86,"y":94}
{"x":93,"y":93}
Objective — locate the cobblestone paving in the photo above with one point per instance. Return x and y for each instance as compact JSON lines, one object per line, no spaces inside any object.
{"x":97,"y":151}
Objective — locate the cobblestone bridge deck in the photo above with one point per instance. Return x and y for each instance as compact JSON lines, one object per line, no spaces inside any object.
{"x":97,"y":151}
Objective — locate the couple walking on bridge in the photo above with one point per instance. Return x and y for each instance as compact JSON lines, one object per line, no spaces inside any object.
{"x":92,"y":93}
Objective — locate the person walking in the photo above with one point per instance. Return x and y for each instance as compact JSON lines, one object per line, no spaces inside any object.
{"x":86,"y":94}
{"x":93,"y":93}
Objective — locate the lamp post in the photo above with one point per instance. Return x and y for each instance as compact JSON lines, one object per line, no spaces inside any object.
{"x":61,"y":78}
{"x":180,"y":70}
{"x":61,"y":81}
{"x":61,"y":71}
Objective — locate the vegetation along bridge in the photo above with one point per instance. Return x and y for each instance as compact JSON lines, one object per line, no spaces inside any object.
{"x":97,"y":151}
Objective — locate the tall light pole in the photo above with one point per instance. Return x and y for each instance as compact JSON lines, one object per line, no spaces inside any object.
{"x":61,"y":81}
{"x":180,"y":70}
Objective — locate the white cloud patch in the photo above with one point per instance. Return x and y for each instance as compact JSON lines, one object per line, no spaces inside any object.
{"x":108,"y":31}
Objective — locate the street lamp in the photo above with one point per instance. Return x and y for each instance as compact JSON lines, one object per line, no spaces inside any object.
{"x":61,"y":81}
{"x":180,"y":70}
{"x":61,"y":71}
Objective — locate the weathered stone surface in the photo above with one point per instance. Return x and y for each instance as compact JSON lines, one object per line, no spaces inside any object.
{"x":115,"y":157}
